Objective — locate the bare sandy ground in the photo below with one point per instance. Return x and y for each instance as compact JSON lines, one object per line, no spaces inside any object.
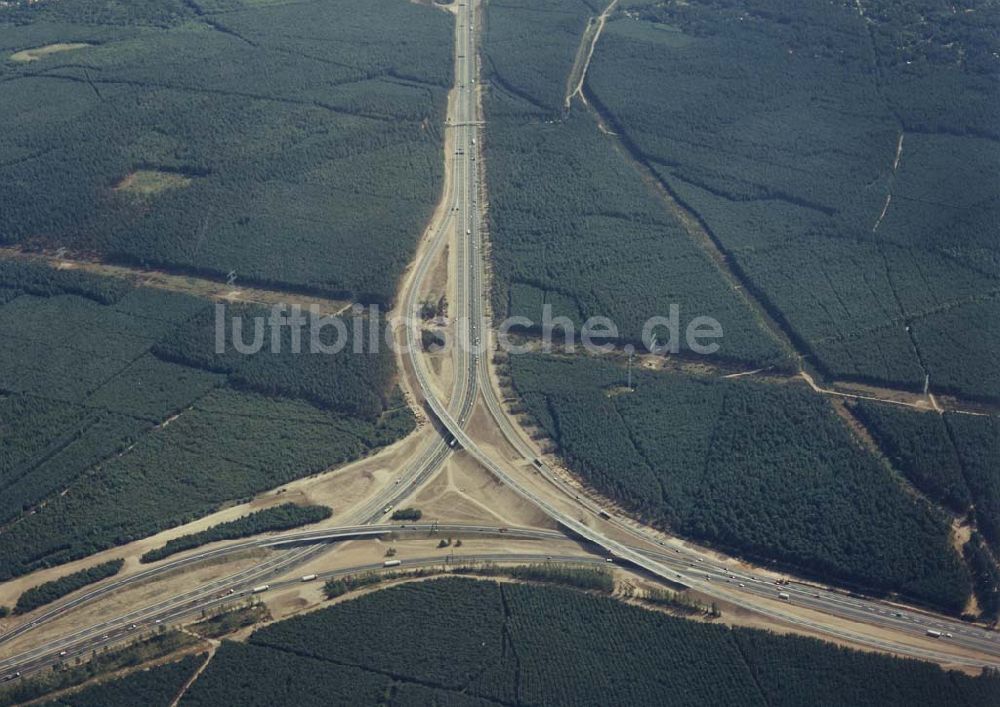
{"x":146,"y":182}
{"x":308,"y":596}
{"x":37,"y":53}
{"x":217,"y":291}
{"x":342,"y":489}
{"x":463,"y":492}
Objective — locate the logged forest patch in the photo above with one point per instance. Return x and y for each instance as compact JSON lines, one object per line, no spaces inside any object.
{"x":37,"y":53}
{"x":147,"y":182}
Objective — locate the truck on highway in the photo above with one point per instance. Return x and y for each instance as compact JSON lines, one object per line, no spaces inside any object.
{"x":390,"y":563}
{"x":261,"y":588}
{"x":784,"y":596}
{"x":933,"y":634}
{"x":603,"y":513}
{"x":307,"y":578}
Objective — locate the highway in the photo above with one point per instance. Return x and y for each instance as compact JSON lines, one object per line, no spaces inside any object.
{"x":459,"y":200}
{"x":646,"y":549}
{"x":866,"y":611}
{"x":239,"y":585}
{"x":226,"y":588}
{"x":139,"y":623}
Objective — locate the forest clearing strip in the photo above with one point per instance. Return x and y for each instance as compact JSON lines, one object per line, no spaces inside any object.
{"x":218,"y":290}
{"x":693,"y":225}
{"x":213,"y":647}
{"x":578,"y":74}
{"x":697,"y":367}
{"x":755,"y":300}
{"x":150,"y":85}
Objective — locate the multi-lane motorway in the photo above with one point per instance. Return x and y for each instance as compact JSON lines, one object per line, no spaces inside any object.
{"x":122,"y":629}
{"x":835,"y":614}
{"x":680,"y":561}
{"x":457,"y":216}
{"x":593,"y":527}
{"x":302,"y":547}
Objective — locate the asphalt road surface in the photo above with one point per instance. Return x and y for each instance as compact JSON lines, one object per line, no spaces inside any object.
{"x":862,"y":610}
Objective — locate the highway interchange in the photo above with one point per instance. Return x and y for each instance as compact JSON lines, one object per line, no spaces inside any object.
{"x":832,"y":613}
{"x":471,"y":307}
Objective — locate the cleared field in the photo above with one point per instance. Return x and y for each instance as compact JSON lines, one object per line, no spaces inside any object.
{"x":42,"y":52}
{"x":146,"y":182}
